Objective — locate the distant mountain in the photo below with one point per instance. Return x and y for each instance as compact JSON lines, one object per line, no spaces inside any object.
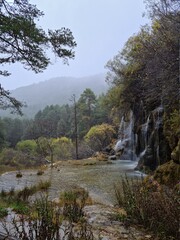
{"x":57,"y":91}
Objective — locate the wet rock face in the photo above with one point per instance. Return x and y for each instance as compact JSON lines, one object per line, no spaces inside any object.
{"x":141,"y":138}
{"x":151,"y":146}
{"x":175,"y":155}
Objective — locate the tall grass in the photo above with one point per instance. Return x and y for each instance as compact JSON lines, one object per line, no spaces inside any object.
{"x":18,"y":200}
{"x":154,"y":206}
{"x":50,"y":221}
{"x":73,"y":203}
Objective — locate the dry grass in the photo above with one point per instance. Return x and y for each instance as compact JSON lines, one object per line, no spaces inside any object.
{"x":4,"y":168}
{"x":81,"y":162}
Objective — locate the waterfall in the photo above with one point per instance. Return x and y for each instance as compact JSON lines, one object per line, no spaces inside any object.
{"x":146,"y":133}
{"x":151,"y":140}
{"x":124,"y":147}
{"x":144,"y":138}
{"x":158,"y":118}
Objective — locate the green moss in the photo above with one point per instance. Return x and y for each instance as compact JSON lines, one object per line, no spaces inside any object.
{"x":172,"y":128}
{"x":168,"y":173}
{"x":20,"y":207}
{"x":175,"y":155}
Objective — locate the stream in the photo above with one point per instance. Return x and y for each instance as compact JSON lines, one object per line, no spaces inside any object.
{"x":99,"y":180}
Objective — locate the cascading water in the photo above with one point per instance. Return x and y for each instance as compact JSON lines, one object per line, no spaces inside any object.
{"x":124,"y":147}
{"x":145,"y":132}
{"x":158,"y":125}
{"x":142,"y":139}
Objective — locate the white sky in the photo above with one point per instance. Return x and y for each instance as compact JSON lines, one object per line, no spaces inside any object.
{"x":100,"y":28}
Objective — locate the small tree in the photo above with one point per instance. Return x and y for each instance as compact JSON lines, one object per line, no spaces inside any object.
{"x":46,"y":148}
{"x":73,"y":99}
{"x":63,"y":148}
{"x":27,"y":146}
{"x":86,"y":107}
{"x":100,"y":136}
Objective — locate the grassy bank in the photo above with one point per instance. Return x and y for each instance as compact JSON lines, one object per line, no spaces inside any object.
{"x":4,"y":168}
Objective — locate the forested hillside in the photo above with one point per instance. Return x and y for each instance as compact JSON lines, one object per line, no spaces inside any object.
{"x":67,"y":121}
{"x":56,"y":91}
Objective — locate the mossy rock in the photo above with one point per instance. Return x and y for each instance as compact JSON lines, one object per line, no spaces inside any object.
{"x":168,"y":173}
{"x":175,"y":155}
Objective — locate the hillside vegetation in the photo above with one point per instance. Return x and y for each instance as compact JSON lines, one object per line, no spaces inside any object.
{"x":56,"y":91}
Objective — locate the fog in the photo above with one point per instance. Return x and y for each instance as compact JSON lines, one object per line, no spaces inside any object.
{"x":100,"y":28}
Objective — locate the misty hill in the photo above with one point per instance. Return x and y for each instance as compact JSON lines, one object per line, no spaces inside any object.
{"x":57,"y":91}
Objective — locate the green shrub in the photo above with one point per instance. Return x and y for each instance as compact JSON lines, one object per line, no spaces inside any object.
{"x":3,"y":212}
{"x":20,"y":207}
{"x":18,"y":199}
{"x":63,"y":148}
{"x":43,"y":185}
{"x":15,"y":158}
{"x":73,"y":203}
{"x":25,"y":193}
{"x":27,"y":146}
{"x":100,"y":136}
{"x":8,"y":156}
{"x":172,"y":128}
{"x":3,"y":193}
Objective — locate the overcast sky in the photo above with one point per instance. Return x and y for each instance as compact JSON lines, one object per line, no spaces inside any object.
{"x":100,"y":28}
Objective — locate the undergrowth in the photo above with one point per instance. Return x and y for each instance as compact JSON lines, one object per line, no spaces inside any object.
{"x":18,"y":200}
{"x":53,"y":221}
{"x":73,"y":203}
{"x":154,"y":206}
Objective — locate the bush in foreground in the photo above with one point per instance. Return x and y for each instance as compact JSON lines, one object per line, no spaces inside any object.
{"x":150,"y":204}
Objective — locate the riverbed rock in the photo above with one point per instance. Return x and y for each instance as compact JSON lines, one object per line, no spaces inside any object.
{"x":105,"y":226}
{"x":113,"y":157}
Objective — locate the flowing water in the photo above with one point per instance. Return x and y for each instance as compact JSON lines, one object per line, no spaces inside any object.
{"x":99,"y":180}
